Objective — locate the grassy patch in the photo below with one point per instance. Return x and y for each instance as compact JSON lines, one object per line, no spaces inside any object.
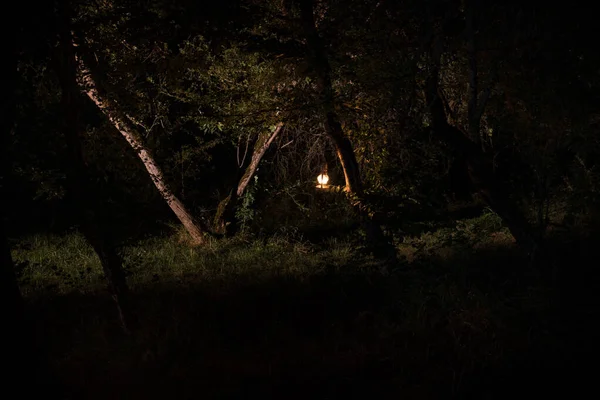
{"x":280,"y":317}
{"x":57,"y":264}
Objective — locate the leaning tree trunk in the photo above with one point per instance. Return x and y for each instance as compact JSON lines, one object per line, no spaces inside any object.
{"x":85,"y":199}
{"x":480,"y":166}
{"x":226,"y":206}
{"x":342,"y":144}
{"x":88,"y":85}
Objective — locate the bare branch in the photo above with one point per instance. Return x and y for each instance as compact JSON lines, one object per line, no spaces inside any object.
{"x":260,"y":148}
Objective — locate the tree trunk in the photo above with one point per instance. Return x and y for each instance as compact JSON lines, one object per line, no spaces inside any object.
{"x":88,"y":85}
{"x":85,"y":200}
{"x":343,"y":146}
{"x":333,"y":127}
{"x":480,"y":168}
{"x":345,"y":153}
{"x":226,"y":206}
{"x":260,"y":148}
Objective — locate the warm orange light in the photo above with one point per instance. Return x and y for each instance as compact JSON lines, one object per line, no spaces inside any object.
{"x":323,"y":179}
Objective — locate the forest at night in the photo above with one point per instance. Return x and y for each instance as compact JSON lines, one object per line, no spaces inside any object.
{"x":292,"y":199}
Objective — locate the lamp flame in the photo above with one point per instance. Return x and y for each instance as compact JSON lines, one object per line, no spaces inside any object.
{"x":323,"y":179}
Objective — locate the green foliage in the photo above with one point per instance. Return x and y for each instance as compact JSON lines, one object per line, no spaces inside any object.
{"x":483,"y":232}
{"x":200,"y":84}
{"x":300,"y":210}
{"x":245,"y":212}
{"x":57,"y":264}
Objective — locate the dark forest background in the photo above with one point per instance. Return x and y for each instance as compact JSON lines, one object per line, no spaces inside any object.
{"x":163,"y":233}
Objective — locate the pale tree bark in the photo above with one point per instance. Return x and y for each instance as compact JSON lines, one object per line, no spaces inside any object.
{"x":89,"y":87}
{"x":260,"y":148}
{"x":480,"y":167}
{"x":226,"y":206}
{"x":318,"y":57}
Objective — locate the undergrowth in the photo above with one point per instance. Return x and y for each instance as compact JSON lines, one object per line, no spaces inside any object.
{"x":281,"y":316}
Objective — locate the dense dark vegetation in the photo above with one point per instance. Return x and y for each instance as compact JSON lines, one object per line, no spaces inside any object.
{"x":163,"y":235}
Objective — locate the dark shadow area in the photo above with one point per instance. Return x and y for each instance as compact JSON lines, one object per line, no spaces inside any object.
{"x":468,"y":326}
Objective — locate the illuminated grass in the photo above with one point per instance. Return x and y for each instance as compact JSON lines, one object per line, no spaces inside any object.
{"x":65,"y":264}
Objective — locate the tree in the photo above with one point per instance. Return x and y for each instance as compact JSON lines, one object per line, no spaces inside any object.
{"x":322,"y":70}
{"x":479,"y":165}
{"x":333,"y":127}
{"x":496,"y":93}
{"x":225,"y":209}
{"x":85,"y":200}
{"x":88,"y":85}
{"x":106,"y":39}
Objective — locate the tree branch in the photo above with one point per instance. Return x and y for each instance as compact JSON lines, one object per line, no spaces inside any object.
{"x":89,"y":87}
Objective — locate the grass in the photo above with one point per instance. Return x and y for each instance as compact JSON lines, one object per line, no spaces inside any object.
{"x":462,"y":317}
{"x":63,"y":265}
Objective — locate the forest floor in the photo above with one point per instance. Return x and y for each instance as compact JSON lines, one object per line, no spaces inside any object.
{"x":464,"y":315}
